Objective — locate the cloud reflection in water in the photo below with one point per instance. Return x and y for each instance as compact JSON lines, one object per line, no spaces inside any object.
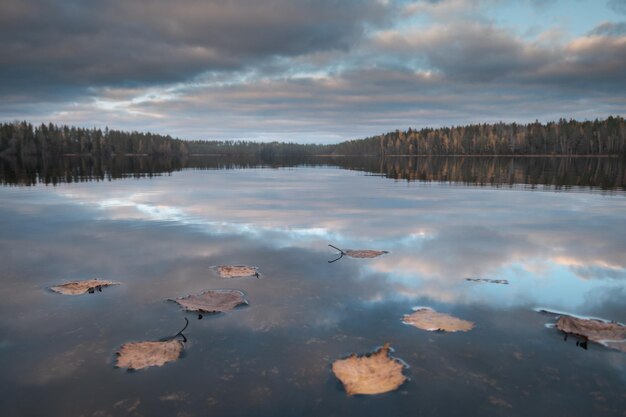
{"x":554,"y":247}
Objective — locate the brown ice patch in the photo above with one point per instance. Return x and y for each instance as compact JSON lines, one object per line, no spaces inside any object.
{"x":609,"y":334}
{"x":375,"y":373}
{"x":237,"y":271}
{"x":357,"y":253}
{"x":82,"y":287}
{"x":212,"y":301}
{"x":139,"y":355}
{"x":428,"y":319}
{"x":364,"y":253}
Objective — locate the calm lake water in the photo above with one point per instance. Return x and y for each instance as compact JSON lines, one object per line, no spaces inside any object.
{"x":560,"y":248}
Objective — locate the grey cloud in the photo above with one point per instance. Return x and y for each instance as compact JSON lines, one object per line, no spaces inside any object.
{"x":475,"y":52}
{"x":587,"y":64}
{"x":618,"y":6}
{"x":470,"y":51}
{"x":609,"y":29}
{"x":481,"y":53}
{"x":113,"y":42}
{"x":596,"y":272}
{"x":312,"y":72}
{"x":345,"y":105}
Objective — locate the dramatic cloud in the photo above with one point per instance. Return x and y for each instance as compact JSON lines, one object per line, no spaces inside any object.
{"x":307,"y":70}
{"x":471,"y":51}
{"x":482,"y":52}
{"x":144,"y":42}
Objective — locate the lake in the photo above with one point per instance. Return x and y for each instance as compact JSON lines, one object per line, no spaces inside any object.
{"x":555,"y":229}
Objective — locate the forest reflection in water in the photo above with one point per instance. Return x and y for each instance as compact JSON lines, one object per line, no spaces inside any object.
{"x":605,"y":173}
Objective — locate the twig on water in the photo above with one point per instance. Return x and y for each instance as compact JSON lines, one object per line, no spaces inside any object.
{"x":180,"y":333}
{"x":340,"y":256}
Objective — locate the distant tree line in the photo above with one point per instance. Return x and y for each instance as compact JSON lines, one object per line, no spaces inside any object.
{"x":264,"y":150}
{"x":565,"y":137}
{"x":22,"y":139}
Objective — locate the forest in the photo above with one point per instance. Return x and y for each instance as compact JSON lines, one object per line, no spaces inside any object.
{"x":565,"y":137}
{"x":22,"y":139}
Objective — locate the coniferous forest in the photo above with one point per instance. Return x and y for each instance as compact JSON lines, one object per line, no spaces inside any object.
{"x":565,"y":137}
{"x":599,"y":137}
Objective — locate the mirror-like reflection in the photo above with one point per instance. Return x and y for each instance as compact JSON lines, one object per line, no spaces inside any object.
{"x":604,"y":173}
{"x":160,"y":238}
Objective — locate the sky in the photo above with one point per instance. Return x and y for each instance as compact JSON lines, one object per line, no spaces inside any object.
{"x":317,"y":71}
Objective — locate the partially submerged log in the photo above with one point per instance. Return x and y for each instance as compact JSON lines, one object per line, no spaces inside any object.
{"x":212,"y":301}
{"x":374,"y":373}
{"x":428,"y":319}
{"x":609,"y":334}
{"x":82,"y":287}
{"x":237,"y":271}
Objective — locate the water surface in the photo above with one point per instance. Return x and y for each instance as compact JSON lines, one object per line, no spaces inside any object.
{"x":560,"y":249}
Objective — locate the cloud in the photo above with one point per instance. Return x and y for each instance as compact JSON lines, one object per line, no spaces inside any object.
{"x":482,"y":52}
{"x":609,"y":29}
{"x":350,"y":104}
{"x":471,"y":51}
{"x":447,"y":9}
{"x":618,"y":6}
{"x":316,"y":71}
{"x":588,"y":63}
{"x":145,"y":42}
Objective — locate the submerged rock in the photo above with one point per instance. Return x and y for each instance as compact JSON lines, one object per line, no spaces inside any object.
{"x":374,"y":373}
{"x":428,"y":319}
{"x":82,"y":287}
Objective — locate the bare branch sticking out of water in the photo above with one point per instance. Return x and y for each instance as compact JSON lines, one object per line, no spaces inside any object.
{"x":82,"y":287}
{"x":428,"y":319}
{"x":370,"y":374}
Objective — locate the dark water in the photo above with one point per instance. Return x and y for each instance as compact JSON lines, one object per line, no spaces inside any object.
{"x":561,"y":250}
